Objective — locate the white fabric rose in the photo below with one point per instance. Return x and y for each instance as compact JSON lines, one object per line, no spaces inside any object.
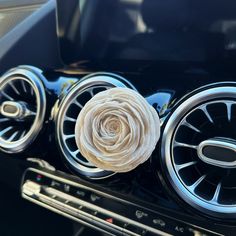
{"x":117,"y":130}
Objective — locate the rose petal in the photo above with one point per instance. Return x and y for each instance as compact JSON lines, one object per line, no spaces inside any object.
{"x":117,"y":130}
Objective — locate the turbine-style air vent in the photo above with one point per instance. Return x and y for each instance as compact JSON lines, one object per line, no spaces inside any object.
{"x":199,"y":150}
{"x":22,"y":108}
{"x":69,"y":110}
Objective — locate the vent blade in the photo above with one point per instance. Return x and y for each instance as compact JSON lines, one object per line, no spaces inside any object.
{"x":22,"y":108}
{"x":69,"y":110}
{"x":203,"y":181}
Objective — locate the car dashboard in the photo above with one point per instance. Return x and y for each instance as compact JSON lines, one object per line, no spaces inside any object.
{"x":186,"y":187}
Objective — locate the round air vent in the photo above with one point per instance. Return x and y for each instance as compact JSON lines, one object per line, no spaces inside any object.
{"x":69,"y":110}
{"x":22,"y":108}
{"x":199,"y":150}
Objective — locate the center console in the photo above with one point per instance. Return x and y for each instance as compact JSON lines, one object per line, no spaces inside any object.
{"x":101,"y":209}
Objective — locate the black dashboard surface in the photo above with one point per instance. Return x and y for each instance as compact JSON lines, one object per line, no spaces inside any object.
{"x":163,"y":83}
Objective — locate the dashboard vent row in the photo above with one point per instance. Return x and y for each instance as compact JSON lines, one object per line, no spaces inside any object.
{"x":68,"y":112}
{"x":22,"y":108}
{"x":199,"y":150}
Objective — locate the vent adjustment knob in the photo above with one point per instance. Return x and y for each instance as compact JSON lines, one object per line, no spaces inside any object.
{"x":219,"y":152}
{"x":16,"y":110}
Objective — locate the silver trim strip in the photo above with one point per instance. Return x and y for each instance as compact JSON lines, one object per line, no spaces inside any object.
{"x":64,"y":214}
{"x":75,"y":184}
{"x":35,"y":194}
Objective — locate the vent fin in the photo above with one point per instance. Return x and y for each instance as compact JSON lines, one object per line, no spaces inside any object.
{"x":22,"y":108}
{"x":69,"y":110}
{"x":203,"y":175}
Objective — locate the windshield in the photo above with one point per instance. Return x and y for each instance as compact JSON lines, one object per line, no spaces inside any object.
{"x":170,"y":30}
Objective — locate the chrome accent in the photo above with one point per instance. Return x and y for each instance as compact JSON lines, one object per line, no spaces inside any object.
{"x":20,"y":110}
{"x":222,"y":143}
{"x":216,"y":194}
{"x":87,"y":85}
{"x":204,"y":109}
{"x":182,"y":166}
{"x":42,"y":163}
{"x":185,"y":123}
{"x":178,"y":144}
{"x":16,"y":88}
{"x":30,"y":191}
{"x":175,"y":171}
{"x":196,"y":183}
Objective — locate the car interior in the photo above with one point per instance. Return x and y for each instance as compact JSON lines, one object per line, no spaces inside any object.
{"x":117,"y":117}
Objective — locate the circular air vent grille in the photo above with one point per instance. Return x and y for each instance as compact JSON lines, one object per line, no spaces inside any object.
{"x":199,"y":150}
{"x":69,"y":110}
{"x":22,"y":108}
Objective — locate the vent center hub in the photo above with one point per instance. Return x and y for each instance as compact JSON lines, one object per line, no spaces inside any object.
{"x":16,"y":110}
{"x":219,"y":152}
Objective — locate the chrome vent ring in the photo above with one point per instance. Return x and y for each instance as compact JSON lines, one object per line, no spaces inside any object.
{"x":206,"y":120}
{"x":22,"y":108}
{"x":68,"y":112}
